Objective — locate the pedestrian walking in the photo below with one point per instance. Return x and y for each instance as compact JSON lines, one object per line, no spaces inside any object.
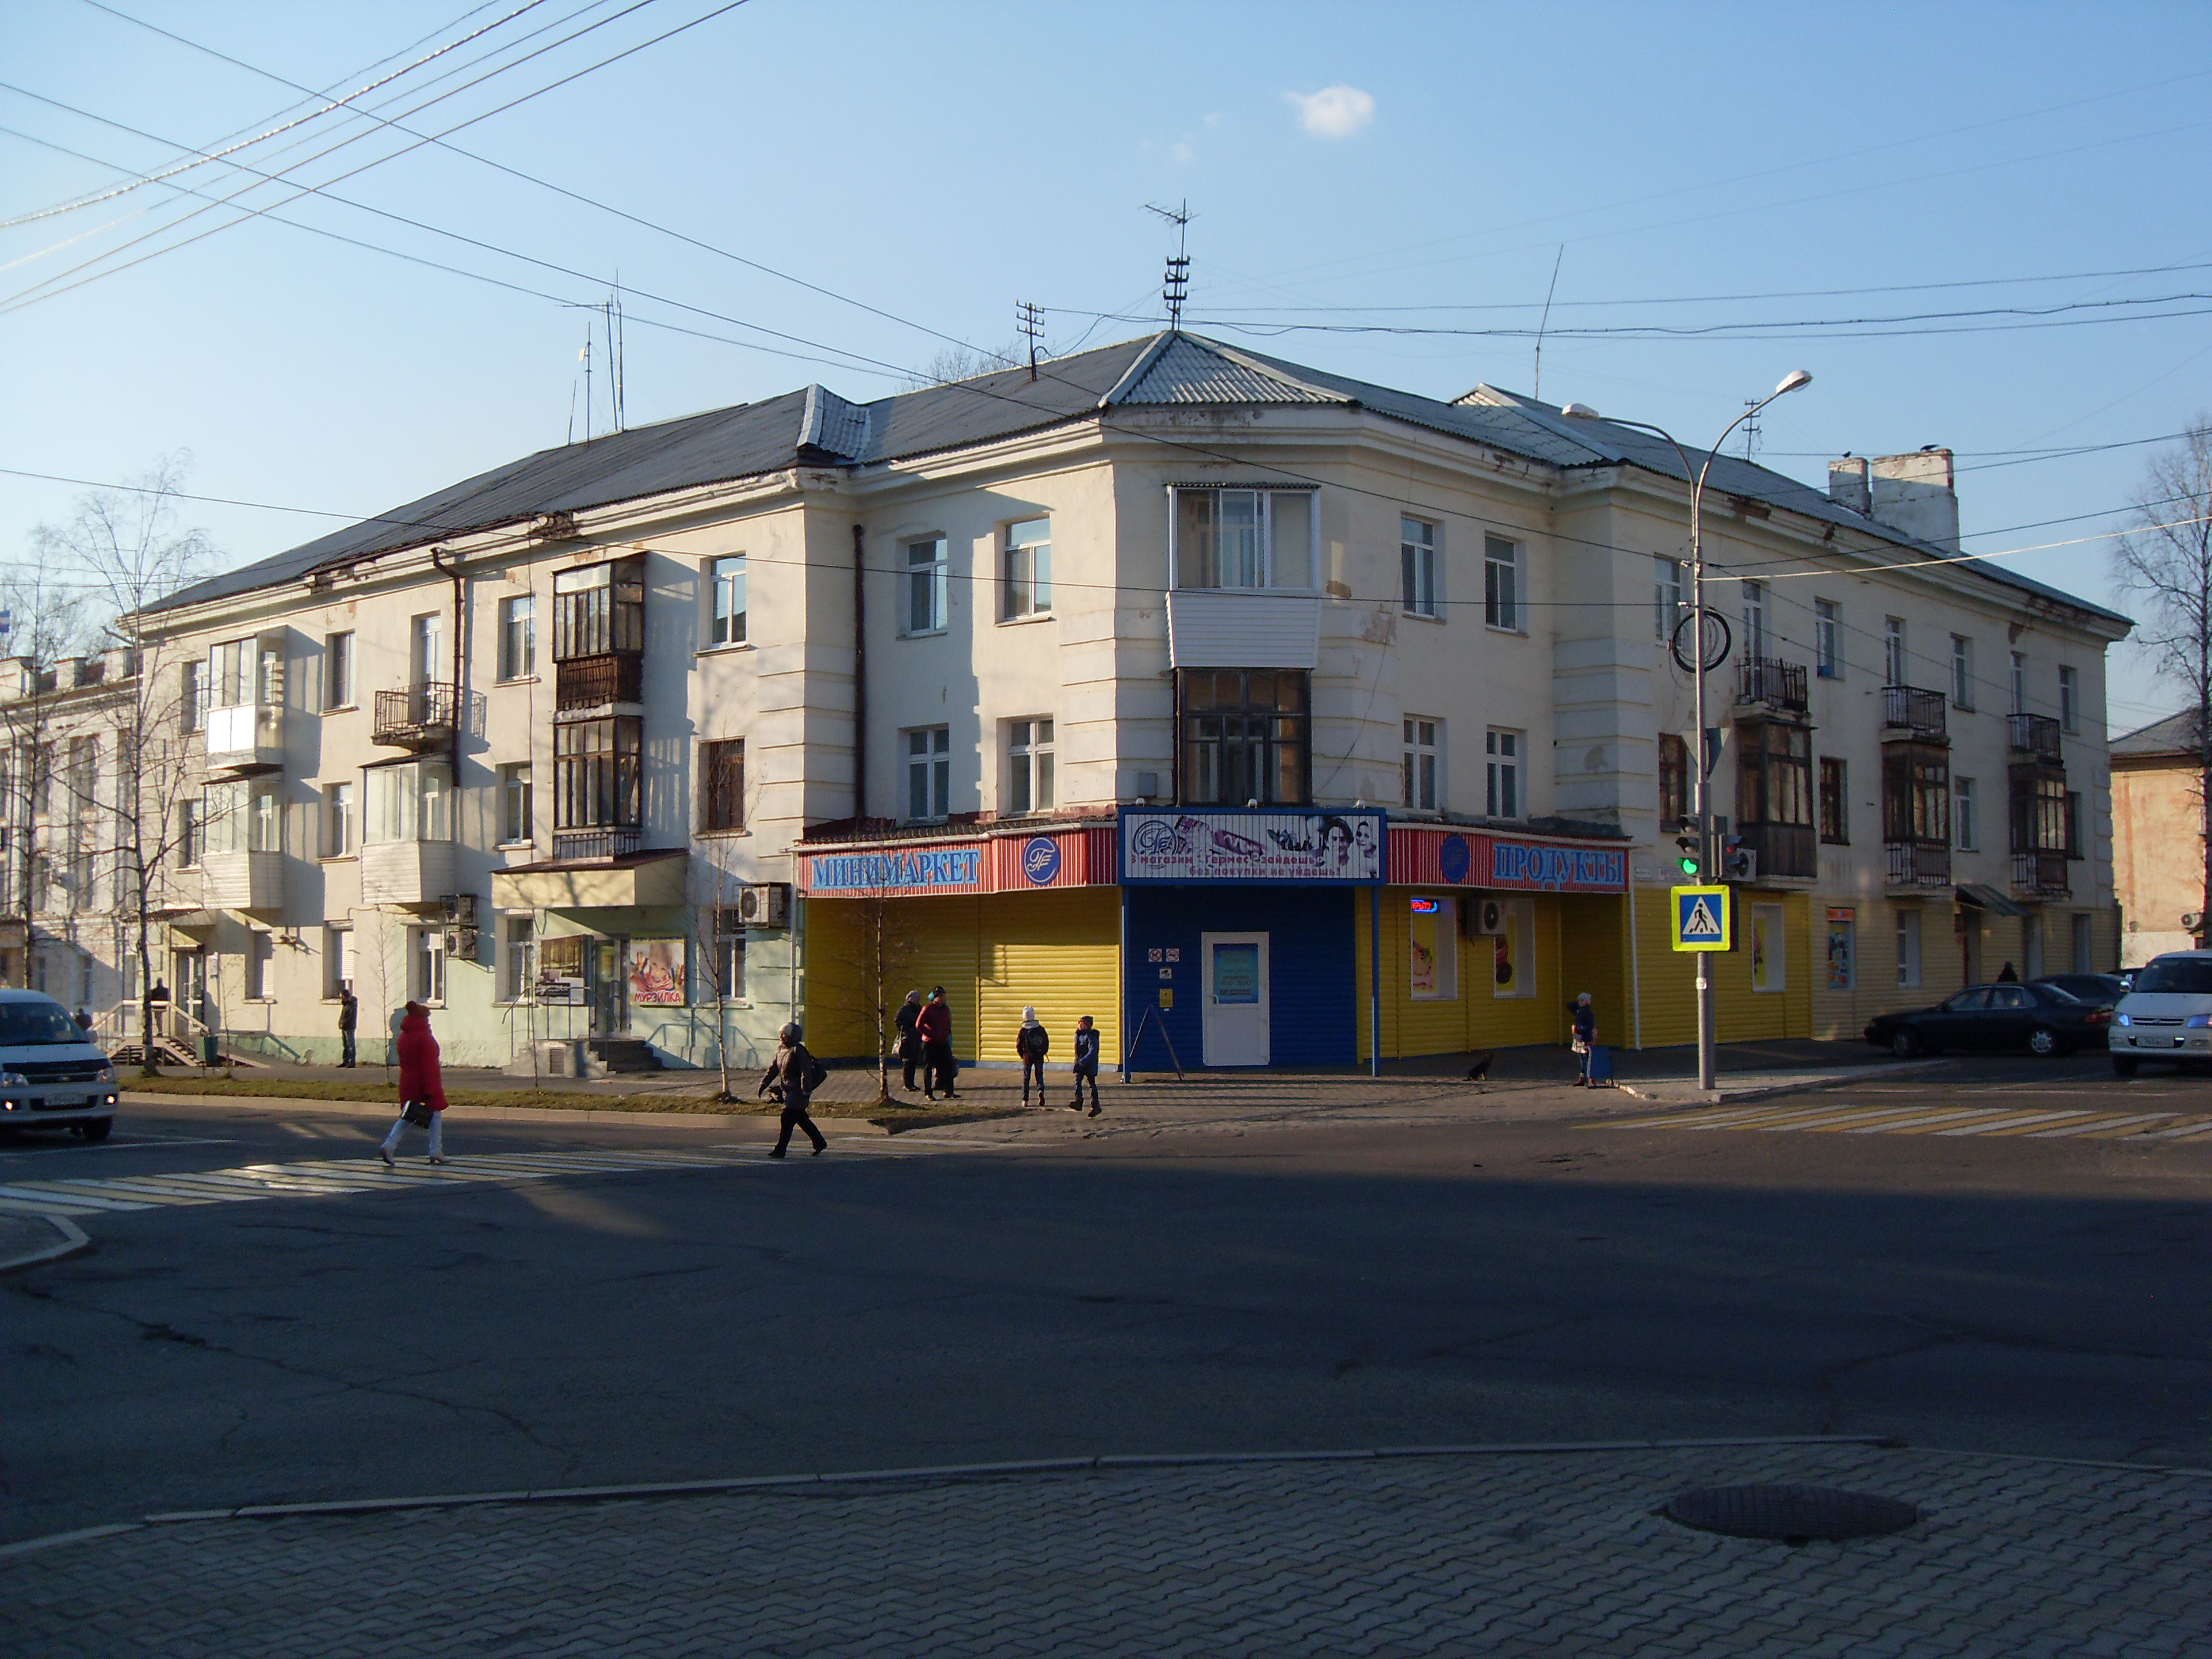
{"x":909,"y":1041}
{"x":1086,"y":1065}
{"x":934,"y":1026}
{"x":1585,"y":1037}
{"x":795,"y":1074}
{"x":421,"y":1088}
{"x":1031,"y":1044}
{"x":348,"y":1019}
{"x":2006,"y":976}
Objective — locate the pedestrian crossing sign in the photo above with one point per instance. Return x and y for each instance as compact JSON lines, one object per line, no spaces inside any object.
{"x":1703,"y":918}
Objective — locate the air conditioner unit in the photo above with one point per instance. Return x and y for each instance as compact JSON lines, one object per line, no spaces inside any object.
{"x":461,"y":909}
{"x":460,"y":944}
{"x":765,"y":904}
{"x":1489,"y":917}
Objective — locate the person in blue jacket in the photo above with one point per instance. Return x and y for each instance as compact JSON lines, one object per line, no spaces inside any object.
{"x":1086,"y":1064}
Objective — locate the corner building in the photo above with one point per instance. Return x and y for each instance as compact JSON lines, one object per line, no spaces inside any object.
{"x":1286,"y":719}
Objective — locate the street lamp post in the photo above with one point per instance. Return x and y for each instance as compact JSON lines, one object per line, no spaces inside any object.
{"x":1708,"y":865}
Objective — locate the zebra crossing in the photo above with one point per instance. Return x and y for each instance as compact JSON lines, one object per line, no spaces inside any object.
{"x":340,"y":1177}
{"x":2041,"y":1122}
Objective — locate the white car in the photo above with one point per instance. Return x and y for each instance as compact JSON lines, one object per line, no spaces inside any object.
{"x":52,"y":1076}
{"x":2166,"y":1014}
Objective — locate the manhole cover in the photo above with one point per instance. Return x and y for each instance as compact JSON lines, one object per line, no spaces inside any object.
{"x":1793,"y":1515}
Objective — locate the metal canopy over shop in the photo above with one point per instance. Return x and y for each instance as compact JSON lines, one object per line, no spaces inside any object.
{"x":654,"y":877}
{"x":1984,"y":898}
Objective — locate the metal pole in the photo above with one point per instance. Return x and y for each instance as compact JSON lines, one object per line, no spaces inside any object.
{"x":1708,"y":1059}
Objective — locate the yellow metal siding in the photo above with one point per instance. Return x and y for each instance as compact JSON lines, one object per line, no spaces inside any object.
{"x":1476,"y":1019}
{"x":1058,"y":949}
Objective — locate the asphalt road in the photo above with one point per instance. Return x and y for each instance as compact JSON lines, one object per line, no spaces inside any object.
{"x":1275,"y":1288}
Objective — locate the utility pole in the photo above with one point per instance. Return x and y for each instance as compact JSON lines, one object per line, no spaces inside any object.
{"x":1176,"y":288}
{"x":1029,"y":319}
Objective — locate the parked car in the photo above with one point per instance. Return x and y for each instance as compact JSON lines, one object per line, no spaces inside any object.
{"x":2086,"y":988}
{"x":51,"y":1074}
{"x":2167,"y":1014}
{"x":2039,"y":1019}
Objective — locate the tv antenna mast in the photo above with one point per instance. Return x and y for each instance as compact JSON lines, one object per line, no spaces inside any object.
{"x":1029,"y":319}
{"x":1176,"y":288}
{"x":1751,"y":432}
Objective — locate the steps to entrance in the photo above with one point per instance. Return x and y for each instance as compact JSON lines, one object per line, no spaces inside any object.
{"x":618,"y":1055}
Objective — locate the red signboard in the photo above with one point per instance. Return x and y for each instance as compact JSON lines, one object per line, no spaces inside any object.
{"x":1080,"y":857}
{"x":1424,"y":857}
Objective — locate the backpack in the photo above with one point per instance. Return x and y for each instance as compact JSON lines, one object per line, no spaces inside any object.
{"x":1036,"y":1042}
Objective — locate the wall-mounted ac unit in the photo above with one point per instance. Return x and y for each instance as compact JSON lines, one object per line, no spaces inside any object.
{"x":461,"y":909}
{"x":765,"y":904}
{"x":461,"y":944}
{"x":1489,"y":917}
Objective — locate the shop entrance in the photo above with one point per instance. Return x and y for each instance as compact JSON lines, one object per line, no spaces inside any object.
{"x":606,"y":987}
{"x":1236,"y":1028}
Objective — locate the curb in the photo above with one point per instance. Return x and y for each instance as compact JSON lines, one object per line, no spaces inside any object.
{"x":1727,"y":1096}
{"x":716,"y":1120}
{"x":72,"y":1241}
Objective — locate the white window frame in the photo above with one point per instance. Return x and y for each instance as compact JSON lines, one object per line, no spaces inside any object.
{"x":260,"y":965}
{"x":1270,"y":560}
{"x":1666,"y":597}
{"x":1025,"y":570}
{"x":1755,"y":619}
{"x":515,"y":785}
{"x":193,"y":695}
{"x":1420,"y":591}
{"x":1827,"y":630}
{"x":1421,"y":775}
{"x":1504,"y":752}
{"x":518,"y":638}
{"x":928,"y":750}
{"x":340,"y":668}
{"x":341,"y":819}
{"x":518,"y":955}
{"x":726,"y":575}
{"x":928,"y":576}
{"x":1501,"y":584}
{"x":1031,"y":771}
{"x":427,"y":965}
{"x":1965,"y":814}
{"x":1962,"y":673}
{"x":2019,"y":682}
{"x":1908,"y":950}
{"x":408,"y":801}
{"x":339,"y":966}
{"x":2069,"y":698}
{"x":1894,"y":666}
{"x":426,"y":646}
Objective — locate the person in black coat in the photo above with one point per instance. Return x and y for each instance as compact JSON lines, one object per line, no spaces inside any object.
{"x":1086,"y":1065}
{"x":1585,"y":1037}
{"x":795,"y":1073}
{"x":909,"y":1040}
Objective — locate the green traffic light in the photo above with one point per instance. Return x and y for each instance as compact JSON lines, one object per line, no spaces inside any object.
{"x":1689,"y":866}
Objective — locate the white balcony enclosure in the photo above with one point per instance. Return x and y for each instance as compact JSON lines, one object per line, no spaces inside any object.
{"x":244,"y":881}
{"x":407,"y":873}
{"x":1242,"y":627}
{"x":247,"y":737}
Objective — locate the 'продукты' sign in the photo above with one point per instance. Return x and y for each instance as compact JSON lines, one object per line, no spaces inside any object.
{"x":1293,"y":847}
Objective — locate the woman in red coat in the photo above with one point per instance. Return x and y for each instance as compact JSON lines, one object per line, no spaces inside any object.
{"x":421,"y":1088}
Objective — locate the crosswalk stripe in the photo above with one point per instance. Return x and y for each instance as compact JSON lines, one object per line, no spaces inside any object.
{"x":2102,"y":1120}
{"x":2082,"y":1122}
{"x":51,"y":1206}
{"x":2180,"y":1131}
{"x":91,"y":1201}
{"x":1858,"y":1119}
{"x":2008,"y":1123}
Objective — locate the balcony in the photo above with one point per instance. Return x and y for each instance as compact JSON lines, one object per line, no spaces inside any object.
{"x":1909,"y":713}
{"x":244,"y":881}
{"x":248,"y":738}
{"x":1766,"y":682}
{"x":2035,"y":735}
{"x":2040,"y":874}
{"x":419,"y":717}
{"x":406,"y":873}
{"x":599,"y":682}
{"x":607,"y":842}
{"x":1786,"y":851}
{"x":1918,"y":863}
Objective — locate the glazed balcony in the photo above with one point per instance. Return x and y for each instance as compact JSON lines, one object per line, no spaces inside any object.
{"x":243,"y":881}
{"x":246,"y":739}
{"x":1788,"y":852}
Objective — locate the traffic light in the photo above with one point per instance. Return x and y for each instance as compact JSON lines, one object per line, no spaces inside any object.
{"x":1692,"y":865}
{"x":1738,"y":862}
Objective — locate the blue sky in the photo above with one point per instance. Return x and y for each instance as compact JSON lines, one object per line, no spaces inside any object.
{"x":941,"y":162}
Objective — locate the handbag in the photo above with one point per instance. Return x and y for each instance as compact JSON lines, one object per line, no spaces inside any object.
{"x":416,"y":1112}
{"x":1582,"y":1046}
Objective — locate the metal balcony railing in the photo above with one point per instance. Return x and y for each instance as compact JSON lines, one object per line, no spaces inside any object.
{"x":2037,"y":735}
{"x":2041,"y":874}
{"x":415,"y":718}
{"x":1768,"y":680}
{"x":1918,"y":863}
{"x":606,"y":843}
{"x":1783,"y":849}
{"x":597,"y":682}
{"x":1908,"y":709}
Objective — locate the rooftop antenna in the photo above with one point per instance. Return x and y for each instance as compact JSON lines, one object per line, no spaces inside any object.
{"x":1176,"y":288}
{"x":584,"y":358}
{"x":1751,"y":434}
{"x":1537,"y":375}
{"x":1029,"y":319}
{"x":622,"y":361}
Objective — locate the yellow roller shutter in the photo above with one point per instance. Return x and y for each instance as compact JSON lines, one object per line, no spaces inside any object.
{"x":1058,"y":950}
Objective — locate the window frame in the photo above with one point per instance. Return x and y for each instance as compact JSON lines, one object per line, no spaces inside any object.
{"x":1774,"y":775}
{"x":427,"y":965}
{"x":1962,"y":673}
{"x":1271,"y":746}
{"x":1422,"y":764}
{"x":518,"y":956}
{"x":1896,"y":661}
{"x":1966,"y":815}
{"x":518,"y":638}
{"x":341,"y":829}
{"x":1024,"y":572}
{"x":340,"y":672}
{"x":1032,"y":768}
{"x":1267,"y":557}
{"x":933,"y":577}
{"x":1444,"y":970}
{"x":517,"y":782}
{"x":728,"y":576}
{"x":2019,"y":688}
{"x":1505,"y":749}
{"x":1833,"y":806}
{"x":260,"y":966}
{"x":1502,"y":600}
{"x":722,"y":786}
{"x":604,"y":779}
{"x":426,"y":648}
{"x":1666,"y":597}
{"x":1419,"y":590}
{"x":427,"y":802}
{"x":1910,"y":947}
{"x":1827,"y":632}
{"x":1752,"y":597}
{"x":2069,"y":698}
{"x":1675,"y":790}
{"x":337,"y":946}
{"x":927,"y":752}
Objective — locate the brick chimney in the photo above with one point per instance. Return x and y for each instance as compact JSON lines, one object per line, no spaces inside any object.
{"x":1913,"y":495}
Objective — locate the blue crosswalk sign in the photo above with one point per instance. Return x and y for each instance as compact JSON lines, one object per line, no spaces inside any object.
{"x":1702,"y":916}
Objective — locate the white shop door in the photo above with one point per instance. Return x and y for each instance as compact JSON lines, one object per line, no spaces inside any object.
{"x":1235,"y":998}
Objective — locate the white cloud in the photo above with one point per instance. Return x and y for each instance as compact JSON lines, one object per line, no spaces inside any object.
{"x":1335,"y":111}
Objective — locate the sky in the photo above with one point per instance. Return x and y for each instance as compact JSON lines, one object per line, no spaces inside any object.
{"x":838,"y":191}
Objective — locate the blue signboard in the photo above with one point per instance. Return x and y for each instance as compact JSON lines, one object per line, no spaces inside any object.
{"x":1041,"y":860}
{"x":954,"y":870}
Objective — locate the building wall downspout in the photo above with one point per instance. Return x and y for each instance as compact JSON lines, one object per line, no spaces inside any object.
{"x":454,"y":573}
{"x":859,"y":675}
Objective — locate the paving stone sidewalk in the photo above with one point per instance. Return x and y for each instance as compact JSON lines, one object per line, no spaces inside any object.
{"x":1510,"y":1554}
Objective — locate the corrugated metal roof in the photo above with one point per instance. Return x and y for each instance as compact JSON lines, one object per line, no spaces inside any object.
{"x":1190,"y":371}
{"x":2174,"y":735}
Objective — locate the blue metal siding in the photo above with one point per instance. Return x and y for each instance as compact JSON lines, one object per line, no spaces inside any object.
{"x":1313,"y":1012}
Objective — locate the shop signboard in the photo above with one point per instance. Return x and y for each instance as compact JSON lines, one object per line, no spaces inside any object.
{"x":656,"y":972}
{"x":895,"y":871}
{"x":1270,"y":847}
{"x":1421,"y":856}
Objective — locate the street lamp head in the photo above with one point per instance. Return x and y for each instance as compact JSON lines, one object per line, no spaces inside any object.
{"x":1581,"y":412}
{"x":1792,"y":380}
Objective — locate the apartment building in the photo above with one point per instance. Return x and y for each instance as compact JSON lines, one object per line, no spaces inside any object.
{"x":1268,"y":716}
{"x":2158,"y":844}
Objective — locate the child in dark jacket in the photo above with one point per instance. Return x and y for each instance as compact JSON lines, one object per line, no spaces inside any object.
{"x":1086,"y":1065}
{"x":1031,"y":1043}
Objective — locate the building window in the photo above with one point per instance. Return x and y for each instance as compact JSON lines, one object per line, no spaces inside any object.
{"x":409,"y":801}
{"x":230,"y":669}
{"x":84,"y":774}
{"x":1501,"y":583}
{"x":2019,"y":683}
{"x":517,"y":955}
{"x":1432,"y":964}
{"x":426,"y":654}
{"x":595,"y":774}
{"x":1893,"y":651}
{"x":2074,"y":824}
{"x":1513,"y":949}
{"x":929,"y":772}
{"x":1828,"y":624}
{"x":1963,"y":818}
{"x":1028,"y":751}
{"x":726,"y":621}
{"x":1243,"y":539}
{"x":1424,"y":777}
{"x":516,"y":817}
{"x":1245,"y":736}
{"x":518,"y":637}
{"x":1835,"y":802}
{"x":1673,"y":781}
{"x":1908,"y":950}
{"x":426,"y":981}
{"x":337,"y":670}
{"x":598,"y":610}
{"x":925,"y":584}
{"x":1417,"y":566}
{"x":1774,"y":775}
{"x":729,"y":968}
{"x":1028,"y":581}
{"x":1754,"y":620}
{"x":264,"y":822}
{"x":260,"y":967}
{"x":1666,"y":597}
{"x":191,"y":834}
{"x":2084,"y":947}
{"x":192,"y":696}
{"x":2069,"y":699}
{"x":1502,"y":767}
{"x":722,"y":784}
{"x":1916,"y":795}
{"x":340,"y":835}
{"x":1962,"y":671}
{"x":337,"y":960}
{"x":2038,"y":811}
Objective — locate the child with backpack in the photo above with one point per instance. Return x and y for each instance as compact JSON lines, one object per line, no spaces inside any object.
{"x":1031,"y":1043}
{"x":796,"y":1074}
{"x":1086,"y":1065}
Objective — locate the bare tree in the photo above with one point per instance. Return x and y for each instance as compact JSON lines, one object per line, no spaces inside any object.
{"x":963,"y":363}
{"x":718,"y":963}
{"x":2166,"y":562}
{"x":128,"y":549}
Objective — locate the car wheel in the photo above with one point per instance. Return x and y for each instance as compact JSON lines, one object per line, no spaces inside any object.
{"x":2042,"y":1041}
{"x":98,"y":1129}
{"x":2124,"y":1064}
{"x":1904,"y":1042}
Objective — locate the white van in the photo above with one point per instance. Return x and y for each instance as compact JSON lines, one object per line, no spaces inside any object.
{"x":2166,"y":1014}
{"x":52,"y":1076}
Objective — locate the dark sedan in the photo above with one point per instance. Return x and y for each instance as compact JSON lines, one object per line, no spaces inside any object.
{"x":2036,"y":1019}
{"x":2085,"y":988}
